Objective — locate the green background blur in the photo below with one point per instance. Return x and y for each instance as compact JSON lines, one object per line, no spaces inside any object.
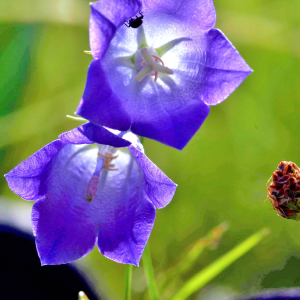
{"x":223,"y":171}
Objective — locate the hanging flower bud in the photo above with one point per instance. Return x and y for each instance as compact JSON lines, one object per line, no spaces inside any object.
{"x":284,"y":190}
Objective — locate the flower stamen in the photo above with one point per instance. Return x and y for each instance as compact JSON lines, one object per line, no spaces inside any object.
{"x":149,"y":66}
{"x":108,"y":158}
{"x":143,"y":63}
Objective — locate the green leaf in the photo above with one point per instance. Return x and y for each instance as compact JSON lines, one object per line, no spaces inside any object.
{"x":206,"y":275}
{"x":15,"y":48}
{"x":190,"y":256}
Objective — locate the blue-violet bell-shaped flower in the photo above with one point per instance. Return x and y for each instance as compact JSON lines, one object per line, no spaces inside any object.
{"x":158,"y":79}
{"x":89,"y":188}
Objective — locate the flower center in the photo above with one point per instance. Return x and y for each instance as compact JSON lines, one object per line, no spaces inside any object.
{"x":150,"y":65}
{"x":103,"y":162}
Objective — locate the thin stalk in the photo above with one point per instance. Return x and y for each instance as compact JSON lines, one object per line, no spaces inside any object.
{"x":206,"y":275}
{"x":128,"y":281}
{"x":148,"y":268}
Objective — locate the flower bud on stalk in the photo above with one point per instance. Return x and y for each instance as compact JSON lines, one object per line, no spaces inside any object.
{"x":82,"y":296}
{"x":284,"y":190}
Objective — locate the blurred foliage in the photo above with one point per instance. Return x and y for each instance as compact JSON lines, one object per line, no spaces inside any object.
{"x":221,"y":173}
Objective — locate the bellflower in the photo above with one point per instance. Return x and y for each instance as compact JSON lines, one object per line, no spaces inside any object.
{"x":88,"y":190}
{"x":159,"y":79}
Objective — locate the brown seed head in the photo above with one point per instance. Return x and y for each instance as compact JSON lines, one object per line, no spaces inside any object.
{"x":284,"y":190}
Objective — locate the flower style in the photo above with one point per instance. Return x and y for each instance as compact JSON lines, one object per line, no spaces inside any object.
{"x":89,"y":189}
{"x":159,"y":79}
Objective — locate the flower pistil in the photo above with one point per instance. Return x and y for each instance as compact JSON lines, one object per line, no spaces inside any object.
{"x":151,"y":67}
{"x":103,"y":162}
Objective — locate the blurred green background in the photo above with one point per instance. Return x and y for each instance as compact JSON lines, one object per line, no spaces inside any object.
{"x":223,"y":171}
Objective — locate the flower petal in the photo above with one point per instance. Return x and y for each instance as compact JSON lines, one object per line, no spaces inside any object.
{"x":106,"y":17}
{"x":126,"y":215}
{"x":169,"y":121}
{"x":199,"y":14}
{"x":99,"y":104}
{"x":224,"y":69}
{"x":63,"y":222}
{"x":124,"y":235}
{"x":89,"y":133}
{"x":159,"y":187}
{"x":27,"y":179}
{"x":63,"y":231}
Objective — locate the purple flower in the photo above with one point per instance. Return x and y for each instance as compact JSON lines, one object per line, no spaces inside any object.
{"x":129,"y":88}
{"x":90,"y":190}
{"x":275,"y":294}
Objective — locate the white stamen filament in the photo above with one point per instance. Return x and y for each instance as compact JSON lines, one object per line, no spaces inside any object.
{"x":149,"y":65}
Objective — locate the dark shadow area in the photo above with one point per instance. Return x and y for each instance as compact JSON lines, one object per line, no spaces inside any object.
{"x":23,"y":277}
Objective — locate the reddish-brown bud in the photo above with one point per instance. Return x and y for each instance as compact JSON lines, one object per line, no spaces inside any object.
{"x":284,"y":190}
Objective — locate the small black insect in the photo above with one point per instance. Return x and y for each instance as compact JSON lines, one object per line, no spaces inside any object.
{"x":135,"y":23}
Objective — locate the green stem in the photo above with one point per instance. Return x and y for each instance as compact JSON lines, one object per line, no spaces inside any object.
{"x":148,"y":268}
{"x":76,"y":118}
{"x":128,"y":280}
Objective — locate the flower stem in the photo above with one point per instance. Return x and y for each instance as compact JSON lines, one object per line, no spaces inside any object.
{"x":128,"y":280}
{"x":148,"y":268}
{"x":76,"y":118}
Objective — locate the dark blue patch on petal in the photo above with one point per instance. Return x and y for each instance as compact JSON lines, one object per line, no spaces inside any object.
{"x":175,"y":128}
{"x":99,"y":104}
{"x":90,"y":133}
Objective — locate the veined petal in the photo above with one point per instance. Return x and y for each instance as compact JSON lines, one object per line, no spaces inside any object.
{"x":63,"y":229}
{"x":159,"y":188}
{"x":27,"y":179}
{"x":224,"y":69}
{"x":124,"y":235}
{"x":106,"y":17}
{"x":200,"y":14}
